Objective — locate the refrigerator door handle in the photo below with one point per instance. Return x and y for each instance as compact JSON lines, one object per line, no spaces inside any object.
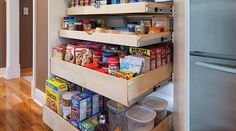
{"x":222,"y":68}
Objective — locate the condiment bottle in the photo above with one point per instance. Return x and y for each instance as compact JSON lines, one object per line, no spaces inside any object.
{"x":113,"y":64}
{"x":87,"y":25}
{"x":102,"y":124}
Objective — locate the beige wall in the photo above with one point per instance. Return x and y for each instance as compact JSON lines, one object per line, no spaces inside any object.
{"x":2,"y":33}
{"x":42,"y":44}
{"x":26,"y":35}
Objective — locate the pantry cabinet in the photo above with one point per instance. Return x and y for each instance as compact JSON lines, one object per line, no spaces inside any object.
{"x":130,"y":90}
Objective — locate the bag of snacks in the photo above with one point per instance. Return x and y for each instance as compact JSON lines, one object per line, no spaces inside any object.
{"x":70,"y":53}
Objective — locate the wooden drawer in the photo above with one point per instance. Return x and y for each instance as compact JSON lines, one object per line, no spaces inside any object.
{"x":57,"y":123}
{"x":127,"y":8}
{"x":118,"y":39}
{"x":124,"y":91}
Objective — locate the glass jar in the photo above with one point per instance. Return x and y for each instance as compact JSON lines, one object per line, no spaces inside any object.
{"x":113,"y":64}
{"x":105,"y":56}
{"x":87,"y":26}
{"x":131,"y":26}
{"x":97,"y":56}
{"x":66,"y":23}
{"x":79,"y":26}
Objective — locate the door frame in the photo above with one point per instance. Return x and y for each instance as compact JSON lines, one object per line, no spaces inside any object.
{"x":12,"y":70}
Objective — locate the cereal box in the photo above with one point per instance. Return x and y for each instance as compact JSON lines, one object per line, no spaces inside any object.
{"x":88,"y":125}
{"x":81,"y":107}
{"x":97,"y":102}
{"x":149,"y":51}
{"x":83,"y":56}
{"x":55,"y":87}
{"x":159,"y":53}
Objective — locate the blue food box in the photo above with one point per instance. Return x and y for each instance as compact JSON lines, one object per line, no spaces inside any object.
{"x":97,"y":102}
{"x":81,"y":108}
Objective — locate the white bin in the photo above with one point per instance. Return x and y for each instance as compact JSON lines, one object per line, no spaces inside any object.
{"x":140,"y":118}
{"x":157,"y":104}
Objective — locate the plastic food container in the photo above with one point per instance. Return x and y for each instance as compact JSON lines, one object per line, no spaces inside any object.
{"x":140,"y":118}
{"x":117,"y":118}
{"x":67,"y":98}
{"x":157,"y":104}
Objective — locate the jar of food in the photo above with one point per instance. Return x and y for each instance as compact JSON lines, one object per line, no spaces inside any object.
{"x":113,"y":64}
{"x":139,"y":29}
{"x":97,"y":56}
{"x":93,"y":24}
{"x":87,"y":25}
{"x":79,"y":26}
{"x":100,"y":23}
{"x":131,"y":26}
{"x":66,"y":23}
{"x":72,"y":21}
{"x":133,"y":1}
{"x":105,"y":56}
{"x":87,"y":2}
{"x":115,"y":1}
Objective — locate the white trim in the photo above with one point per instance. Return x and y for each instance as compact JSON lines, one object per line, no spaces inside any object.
{"x":13,"y":30}
{"x":12,"y":72}
{"x":2,"y":72}
{"x":33,"y":86}
{"x":39,"y":97}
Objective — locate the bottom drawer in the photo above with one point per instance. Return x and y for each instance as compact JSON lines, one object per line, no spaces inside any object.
{"x":57,"y":123}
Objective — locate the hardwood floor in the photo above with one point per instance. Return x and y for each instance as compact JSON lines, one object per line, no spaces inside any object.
{"x":18,"y":112}
{"x":26,"y":72}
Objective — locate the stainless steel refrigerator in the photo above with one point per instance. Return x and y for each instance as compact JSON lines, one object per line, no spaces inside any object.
{"x":213,"y":65}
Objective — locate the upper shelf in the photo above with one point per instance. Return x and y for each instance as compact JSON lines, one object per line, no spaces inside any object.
{"x":127,"y":8}
{"x":118,"y":39}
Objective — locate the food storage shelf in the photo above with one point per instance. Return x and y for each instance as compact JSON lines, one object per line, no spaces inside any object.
{"x":57,"y":123}
{"x":124,"y":91}
{"x":118,"y":39}
{"x":126,"y":8}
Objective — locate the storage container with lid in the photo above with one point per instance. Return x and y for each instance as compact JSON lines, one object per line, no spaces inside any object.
{"x":157,"y":104}
{"x":140,"y":118}
{"x":117,"y":118}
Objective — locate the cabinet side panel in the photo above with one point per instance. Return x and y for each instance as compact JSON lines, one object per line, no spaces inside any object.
{"x":181,"y":65}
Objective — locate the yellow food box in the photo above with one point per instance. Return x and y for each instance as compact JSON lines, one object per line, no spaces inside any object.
{"x":55,"y":87}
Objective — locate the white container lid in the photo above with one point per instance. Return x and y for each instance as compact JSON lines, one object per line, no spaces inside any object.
{"x":155,"y":103}
{"x":141,"y":114}
{"x":68,"y":95}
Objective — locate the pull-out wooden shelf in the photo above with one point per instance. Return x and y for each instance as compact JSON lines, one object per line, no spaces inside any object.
{"x":127,"y":8}
{"x":124,"y":91}
{"x":57,"y":123}
{"x":118,"y":39}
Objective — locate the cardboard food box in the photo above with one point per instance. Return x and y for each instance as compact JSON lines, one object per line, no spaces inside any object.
{"x":159,"y":53}
{"x":59,"y":52}
{"x":81,"y":108}
{"x":149,"y":51}
{"x":97,"y":102}
{"x":55,"y":87}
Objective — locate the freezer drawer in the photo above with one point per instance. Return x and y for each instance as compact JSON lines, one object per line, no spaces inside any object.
{"x":212,"y":26}
{"x":212,"y":94}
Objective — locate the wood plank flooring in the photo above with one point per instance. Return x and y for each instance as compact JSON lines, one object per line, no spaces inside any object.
{"x":18,"y":112}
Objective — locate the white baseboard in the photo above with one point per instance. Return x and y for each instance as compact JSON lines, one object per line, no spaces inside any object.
{"x":12,"y":72}
{"x":2,"y":72}
{"x":39,"y":97}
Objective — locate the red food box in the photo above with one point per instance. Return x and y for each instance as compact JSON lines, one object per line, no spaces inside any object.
{"x":149,"y":51}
